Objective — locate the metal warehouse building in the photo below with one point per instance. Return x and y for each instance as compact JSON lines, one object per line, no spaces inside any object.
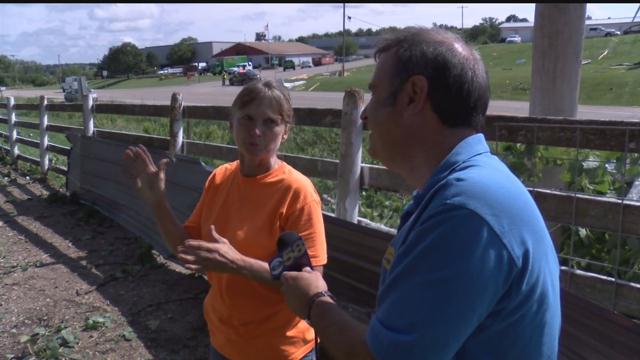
{"x":204,"y":51}
{"x":525,"y":29}
{"x":366,"y":44}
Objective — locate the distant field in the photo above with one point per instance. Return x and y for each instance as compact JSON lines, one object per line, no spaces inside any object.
{"x":601,"y":82}
{"x":142,"y":83}
{"x":149,"y":82}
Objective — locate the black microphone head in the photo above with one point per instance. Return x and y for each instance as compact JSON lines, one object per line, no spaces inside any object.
{"x":292,"y":255}
{"x":287,"y":239}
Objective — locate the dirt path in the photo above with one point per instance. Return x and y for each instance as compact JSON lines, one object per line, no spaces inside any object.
{"x":74,"y":284}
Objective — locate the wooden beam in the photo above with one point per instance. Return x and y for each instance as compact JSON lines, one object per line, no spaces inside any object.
{"x":570,"y":133}
{"x":60,"y":150}
{"x":133,"y":109}
{"x":590,"y":211}
{"x":27,"y":124}
{"x":28,"y":142}
{"x":65,"y":107}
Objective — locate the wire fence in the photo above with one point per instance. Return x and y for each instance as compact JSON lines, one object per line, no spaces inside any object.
{"x":614,"y":251}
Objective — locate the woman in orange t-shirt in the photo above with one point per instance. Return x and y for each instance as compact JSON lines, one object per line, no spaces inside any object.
{"x":232,"y":232}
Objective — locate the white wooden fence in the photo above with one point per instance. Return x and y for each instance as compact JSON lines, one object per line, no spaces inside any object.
{"x":615,"y":215}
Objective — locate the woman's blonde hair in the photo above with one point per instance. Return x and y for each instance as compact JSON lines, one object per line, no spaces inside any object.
{"x":255,"y":90}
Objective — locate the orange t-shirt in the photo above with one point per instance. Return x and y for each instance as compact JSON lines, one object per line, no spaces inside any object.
{"x":246,"y":319}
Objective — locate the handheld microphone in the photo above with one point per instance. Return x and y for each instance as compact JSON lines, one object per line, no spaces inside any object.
{"x":292,"y":255}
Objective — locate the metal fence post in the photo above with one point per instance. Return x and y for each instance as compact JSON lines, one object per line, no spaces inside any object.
{"x":348,"y":189}
{"x":44,"y":138}
{"x":175,"y":124}
{"x":88,"y":107}
{"x":13,"y":129}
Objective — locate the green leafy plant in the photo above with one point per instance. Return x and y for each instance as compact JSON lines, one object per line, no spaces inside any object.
{"x":591,"y":172}
{"x":97,"y":322}
{"x":128,"y":335}
{"x":51,"y":344}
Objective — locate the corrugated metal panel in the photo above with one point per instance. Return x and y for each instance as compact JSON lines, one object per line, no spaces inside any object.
{"x":96,"y":176}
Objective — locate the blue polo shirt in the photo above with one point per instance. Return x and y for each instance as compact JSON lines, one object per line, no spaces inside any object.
{"x":472,"y":272}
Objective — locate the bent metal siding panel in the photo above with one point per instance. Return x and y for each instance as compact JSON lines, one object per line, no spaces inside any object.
{"x":95,"y":175}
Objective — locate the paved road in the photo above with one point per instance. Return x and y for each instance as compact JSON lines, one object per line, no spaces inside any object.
{"x":213,"y":93}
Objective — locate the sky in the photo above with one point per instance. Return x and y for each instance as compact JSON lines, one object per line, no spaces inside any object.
{"x":83,"y":33}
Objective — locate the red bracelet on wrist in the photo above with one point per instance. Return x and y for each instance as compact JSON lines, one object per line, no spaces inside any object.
{"x":315,"y":297}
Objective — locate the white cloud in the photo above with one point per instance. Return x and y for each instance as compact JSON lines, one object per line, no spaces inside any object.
{"x":128,"y":39}
{"x":125,"y":17}
{"x":124,"y":12}
{"x":120,"y":26}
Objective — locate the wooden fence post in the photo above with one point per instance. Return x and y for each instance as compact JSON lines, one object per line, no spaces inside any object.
{"x":88,"y":107}
{"x":175,"y":124}
{"x":348,"y":194}
{"x":13,"y":129}
{"x":44,"y":138}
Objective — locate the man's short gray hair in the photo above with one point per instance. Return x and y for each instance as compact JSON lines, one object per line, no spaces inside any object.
{"x":458,"y":82}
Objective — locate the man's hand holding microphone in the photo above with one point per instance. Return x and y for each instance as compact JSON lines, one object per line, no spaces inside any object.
{"x":301,"y":286}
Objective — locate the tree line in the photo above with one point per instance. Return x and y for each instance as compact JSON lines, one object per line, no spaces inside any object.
{"x":17,"y":72}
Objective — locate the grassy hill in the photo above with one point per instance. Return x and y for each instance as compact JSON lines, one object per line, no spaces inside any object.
{"x":509,"y":67}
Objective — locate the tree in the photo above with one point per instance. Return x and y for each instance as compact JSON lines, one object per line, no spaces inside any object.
{"x":351,"y":47}
{"x":488,"y":31}
{"x":277,"y":38}
{"x":451,"y":28}
{"x":515,"y":18}
{"x":182,"y":52}
{"x":152,"y":60}
{"x":125,"y":59}
{"x":589,"y":17}
{"x":512,"y":18}
{"x":261,"y":36}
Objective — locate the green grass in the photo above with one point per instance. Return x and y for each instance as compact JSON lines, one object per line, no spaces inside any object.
{"x":139,"y":83}
{"x":510,"y":79}
{"x":357,"y":77}
{"x":150,"y":82}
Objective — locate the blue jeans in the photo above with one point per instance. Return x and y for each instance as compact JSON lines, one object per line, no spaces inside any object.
{"x":215,"y":355}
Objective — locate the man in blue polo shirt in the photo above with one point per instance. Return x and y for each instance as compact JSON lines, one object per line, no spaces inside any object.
{"x":472,"y":272}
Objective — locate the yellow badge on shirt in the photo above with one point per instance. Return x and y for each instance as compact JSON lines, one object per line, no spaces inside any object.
{"x":389,"y":255}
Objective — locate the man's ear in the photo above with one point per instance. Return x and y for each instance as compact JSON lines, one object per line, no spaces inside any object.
{"x":415,"y":92}
{"x":285,"y":133}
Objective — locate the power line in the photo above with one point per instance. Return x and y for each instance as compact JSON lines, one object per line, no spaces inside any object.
{"x":349,"y":17}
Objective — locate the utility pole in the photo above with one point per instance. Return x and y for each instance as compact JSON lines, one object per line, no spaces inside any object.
{"x":15,"y":67}
{"x":343,"y":37}
{"x":461,"y":7}
{"x":59,"y":69}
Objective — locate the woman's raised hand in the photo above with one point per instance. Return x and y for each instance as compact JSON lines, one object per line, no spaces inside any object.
{"x":148,"y":179}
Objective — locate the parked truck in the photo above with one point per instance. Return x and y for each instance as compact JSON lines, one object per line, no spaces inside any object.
{"x":74,"y":87}
{"x":323,"y":60}
{"x":227,"y":62}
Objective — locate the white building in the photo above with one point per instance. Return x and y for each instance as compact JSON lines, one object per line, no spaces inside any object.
{"x":204,"y":51}
{"x":525,"y":29}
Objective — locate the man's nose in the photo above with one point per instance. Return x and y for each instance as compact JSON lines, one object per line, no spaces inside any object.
{"x":363,"y":114}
